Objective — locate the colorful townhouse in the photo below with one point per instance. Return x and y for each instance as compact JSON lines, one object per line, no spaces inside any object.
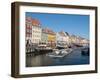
{"x":28,"y":34}
{"x":36,"y":31}
{"x":51,"y":38}
{"x":61,"y":39}
{"x":48,"y":37}
{"x":44,"y":36}
{"x":33,"y":30}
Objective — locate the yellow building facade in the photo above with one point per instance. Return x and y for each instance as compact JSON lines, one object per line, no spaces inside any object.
{"x":52,"y":40}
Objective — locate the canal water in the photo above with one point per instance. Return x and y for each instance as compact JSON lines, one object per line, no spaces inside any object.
{"x":74,"y":58}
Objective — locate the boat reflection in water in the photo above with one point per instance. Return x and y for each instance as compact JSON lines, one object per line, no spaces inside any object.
{"x":58,"y":57}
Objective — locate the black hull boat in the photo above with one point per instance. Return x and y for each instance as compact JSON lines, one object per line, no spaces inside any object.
{"x":85,"y":52}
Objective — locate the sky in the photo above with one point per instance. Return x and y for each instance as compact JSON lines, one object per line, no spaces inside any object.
{"x":73,"y":24}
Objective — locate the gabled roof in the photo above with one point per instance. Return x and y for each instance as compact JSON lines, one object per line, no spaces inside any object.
{"x":67,"y":33}
{"x":62,"y":33}
{"x":35,"y":22}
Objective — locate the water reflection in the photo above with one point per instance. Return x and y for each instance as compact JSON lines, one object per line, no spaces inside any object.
{"x":74,"y":58}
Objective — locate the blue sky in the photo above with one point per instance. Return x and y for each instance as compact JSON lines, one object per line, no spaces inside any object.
{"x":71,"y":23}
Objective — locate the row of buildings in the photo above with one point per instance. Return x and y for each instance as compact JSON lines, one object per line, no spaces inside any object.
{"x":35,"y":34}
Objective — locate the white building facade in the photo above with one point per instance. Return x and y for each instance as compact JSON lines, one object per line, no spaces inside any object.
{"x":62,"y":39}
{"x":36,"y":34}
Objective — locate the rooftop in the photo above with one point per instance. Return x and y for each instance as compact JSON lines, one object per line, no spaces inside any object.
{"x":48,"y":31}
{"x":33,"y":21}
{"x":62,"y":33}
